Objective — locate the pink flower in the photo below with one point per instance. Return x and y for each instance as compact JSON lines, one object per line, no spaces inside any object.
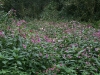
{"x":40,"y":54}
{"x":31,"y":31}
{"x":89,"y":26}
{"x":87,"y":63}
{"x":52,"y":69}
{"x":61,"y":64}
{"x":24,"y":35}
{"x":1,"y":33}
{"x":47,"y":71}
{"x":23,"y":21}
{"x":79,"y":56}
{"x":36,"y":40}
{"x":37,"y":72}
{"x":8,"y":28}
{"x":19,"y":23}
{"x":47,"y":55}
{"x":97,"y":34}
{"x":48,"y":39}
{"x":24,"y":46}
{"x":64,"y":56}
{"x":33,"y":40}
{"x":69,"y":56}
{"x":97,"y":49}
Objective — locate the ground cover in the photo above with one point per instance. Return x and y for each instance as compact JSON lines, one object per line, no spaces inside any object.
{"x":49,"y":48}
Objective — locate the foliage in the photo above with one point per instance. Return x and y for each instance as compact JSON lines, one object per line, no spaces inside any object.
{"x":50,"y":11}
{"x":83,"y":10}
{"x":24,"y":8}
{"x":7,"y":16}
{"x":49,"y":48}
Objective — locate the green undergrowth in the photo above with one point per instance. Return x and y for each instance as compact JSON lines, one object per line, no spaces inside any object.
{"x":49,"y":48}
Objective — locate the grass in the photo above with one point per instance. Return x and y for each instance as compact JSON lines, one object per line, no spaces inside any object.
{"x":49,"y":48}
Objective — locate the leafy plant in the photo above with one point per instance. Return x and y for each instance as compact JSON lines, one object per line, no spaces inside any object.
{"x":50,"y":48}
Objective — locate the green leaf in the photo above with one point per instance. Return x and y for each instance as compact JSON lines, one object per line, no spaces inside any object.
{"x":4,"y":62}
{"x":43,"y":67}
{"x":97,"y":61}
{"x":10,"y":58}
{"x":14,"y":55}
{"x":1,"y":56}
{"x":19,"y":63}
{"x":80,"y":52}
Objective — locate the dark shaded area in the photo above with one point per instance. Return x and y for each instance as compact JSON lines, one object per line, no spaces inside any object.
{"x":83,"y":10}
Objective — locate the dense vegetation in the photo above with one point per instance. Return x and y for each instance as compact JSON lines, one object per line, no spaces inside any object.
{"x":85,"y":10}
{"x":31,"y":43}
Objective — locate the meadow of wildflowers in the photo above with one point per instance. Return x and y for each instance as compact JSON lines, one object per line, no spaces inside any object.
{"x":49,"y":48}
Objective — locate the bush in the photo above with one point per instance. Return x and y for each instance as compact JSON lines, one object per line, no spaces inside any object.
{"x":50,"y":11}
{"x":25,"y":8}
{"x":73,"y":9}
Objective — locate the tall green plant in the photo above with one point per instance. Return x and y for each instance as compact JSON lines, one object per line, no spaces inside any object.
{"x":31,"y":8}
{"x":84,"y":10}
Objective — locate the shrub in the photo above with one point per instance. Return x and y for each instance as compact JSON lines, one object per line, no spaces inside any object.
{"x":74,"y":9}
